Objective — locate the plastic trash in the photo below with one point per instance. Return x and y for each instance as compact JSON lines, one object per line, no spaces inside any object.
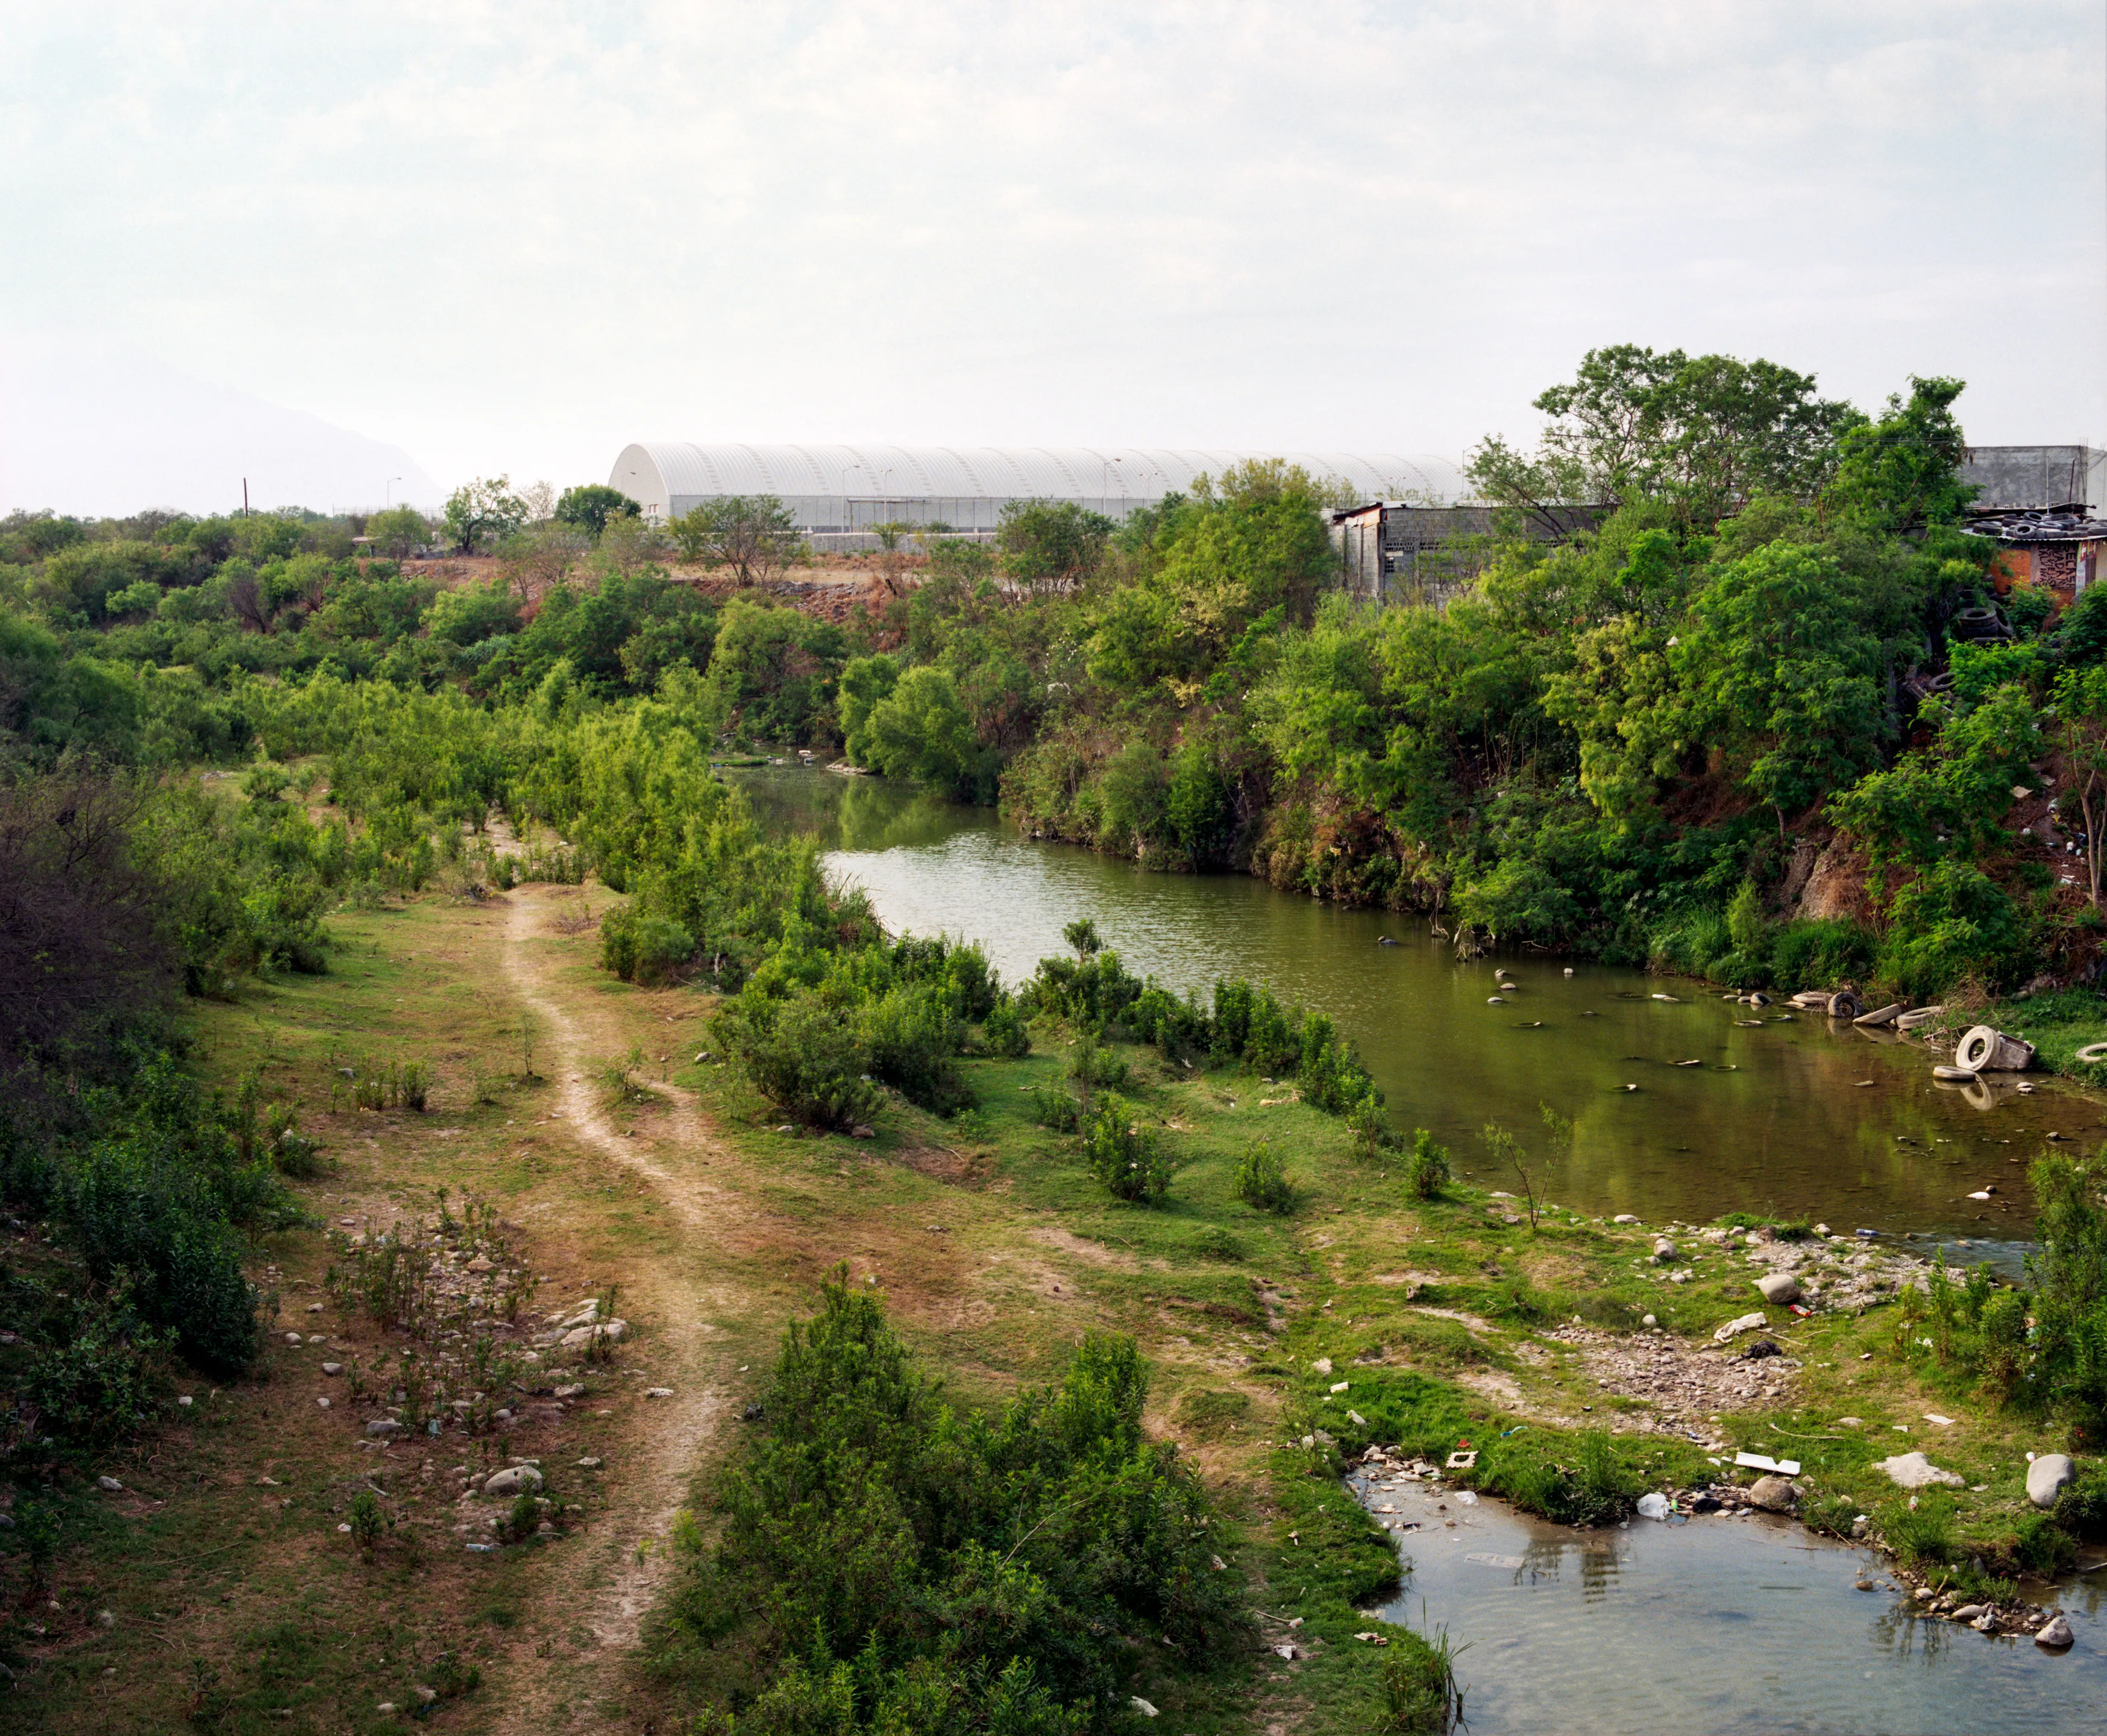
{"x":1653,"y":1506}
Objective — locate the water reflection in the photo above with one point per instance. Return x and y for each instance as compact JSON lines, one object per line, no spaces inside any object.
{"x":1790,"y":1115}
{"x":1719,"y":1625}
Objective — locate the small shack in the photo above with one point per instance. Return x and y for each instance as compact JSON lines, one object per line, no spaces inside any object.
{"x":1402,"y":552}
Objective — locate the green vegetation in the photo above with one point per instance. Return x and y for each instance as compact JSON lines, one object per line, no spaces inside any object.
{"x":888,"y":1563}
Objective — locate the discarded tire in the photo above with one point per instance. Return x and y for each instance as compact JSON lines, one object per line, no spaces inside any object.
{"x":1953,"y":1075}
{"x":1845,"y":1004}
{"x":1986,"y":1049}
{"x":2093,"y":1054}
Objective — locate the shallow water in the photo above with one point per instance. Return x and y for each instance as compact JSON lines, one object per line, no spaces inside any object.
{"x":1795,"y":1118}
{"x":1718,"y":1625}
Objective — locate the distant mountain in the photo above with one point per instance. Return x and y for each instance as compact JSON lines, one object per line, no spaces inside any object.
{"x":100,"y":431}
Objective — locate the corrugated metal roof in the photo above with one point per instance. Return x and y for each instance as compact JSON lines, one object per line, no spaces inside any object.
{"x":657,"y":472}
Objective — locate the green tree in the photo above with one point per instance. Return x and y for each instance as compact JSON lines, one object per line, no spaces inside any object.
{"x":589,"y":507}
{"x":484,"y":513}
{"x":756,"y":536}
{"x":398,"y":531}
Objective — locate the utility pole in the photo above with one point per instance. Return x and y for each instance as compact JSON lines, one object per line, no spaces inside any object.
{"x":244,"y":497}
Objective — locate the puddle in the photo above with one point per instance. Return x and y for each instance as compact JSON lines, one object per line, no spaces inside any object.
{"x":1719,"y":1625}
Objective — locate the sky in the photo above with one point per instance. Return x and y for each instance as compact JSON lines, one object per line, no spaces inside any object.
{"x":484,"y":238}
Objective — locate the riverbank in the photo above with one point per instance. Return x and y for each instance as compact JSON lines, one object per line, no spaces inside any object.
{"x":1364,"y":1314}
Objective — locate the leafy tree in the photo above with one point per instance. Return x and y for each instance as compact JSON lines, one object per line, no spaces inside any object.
{"x":1047,"y":547}
{"x":589,"y":507}
{"x":1708,"y":433}
{"x":400,"y":531}
{"x":1902,"y":473}
{"x":756,"y":536}
{"x":484,"y":513}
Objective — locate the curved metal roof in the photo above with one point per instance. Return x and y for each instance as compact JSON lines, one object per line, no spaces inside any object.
{"x":996,"y":472}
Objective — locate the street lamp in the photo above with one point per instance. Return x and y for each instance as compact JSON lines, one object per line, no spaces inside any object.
{"x":388,"y":493}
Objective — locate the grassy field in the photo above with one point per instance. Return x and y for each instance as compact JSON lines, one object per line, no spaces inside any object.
{"x":220,"y":1586}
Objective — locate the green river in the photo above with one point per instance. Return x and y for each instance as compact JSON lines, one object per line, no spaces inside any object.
{"x":1747,"y":1625}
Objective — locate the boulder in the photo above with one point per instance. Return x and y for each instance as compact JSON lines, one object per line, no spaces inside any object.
{"x":1663,"y":1250}
{"x":1914,"y":1471}
{"x":1780,"y":1288}
{"x":579,"y":1338}
{"x":513,"y":1479}
{"x":382,"y":1428}
{"x":1774,"y":1495}
{"x":1624,"y":1217}
{"x":2056,"y":1635}
{"x":2046,"y":1478}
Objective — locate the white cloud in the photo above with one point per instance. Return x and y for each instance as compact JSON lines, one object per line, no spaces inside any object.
{"x":514,"y":237}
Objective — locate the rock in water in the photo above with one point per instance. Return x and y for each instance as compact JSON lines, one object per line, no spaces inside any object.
{"x":1774,"y":1495}
{"x":1780,"y":1288}
{"x":1914,"y":1471}
{"x":2047,"y":1477}
{"x":514,"y":1479}
{"x":2056,"y":1635}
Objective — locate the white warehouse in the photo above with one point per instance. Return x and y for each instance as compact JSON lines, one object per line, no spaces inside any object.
{"x":834,"y":490}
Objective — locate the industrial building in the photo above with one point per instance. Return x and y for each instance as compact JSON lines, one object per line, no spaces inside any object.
{"x":2047,"y":506}
{"x":837,"y":493}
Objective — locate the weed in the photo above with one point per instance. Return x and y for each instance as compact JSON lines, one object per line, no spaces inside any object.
{"x":1421,"y":1694}
{"x":1216,"y":1243}
{"x":1921,"y":1531}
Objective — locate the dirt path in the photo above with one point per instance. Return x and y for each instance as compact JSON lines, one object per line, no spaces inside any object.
{"x":578,"y":1039}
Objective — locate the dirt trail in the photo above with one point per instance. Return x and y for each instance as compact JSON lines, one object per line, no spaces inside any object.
{"x":653,"y":1490}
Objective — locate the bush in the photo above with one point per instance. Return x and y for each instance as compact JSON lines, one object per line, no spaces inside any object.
{"x":100,"y":1381}
{"x":950,"y":1573}
{"x":1262,"y":1183}
{"x":1429,"y":1169}
{"x":810,"y":1064}
{"x":1056,"y":1110}
{"x":1124,"y":1156}
{"x":1004,"y":1034}
{"x":910,"y":1039}
{"x":642,"y":948}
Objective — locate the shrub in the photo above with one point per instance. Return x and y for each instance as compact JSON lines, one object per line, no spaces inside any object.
{"x":1261,"y":1182}
{"x":1004,"y":1033}
{"x":367,"y":1521}
{"x":910,"y":1039}
{"x":1216,"y":1243}
{"x":1124,"y":1156}
{"x":949,"y":1572}
{"x":1368,"y":1125}
{"x":810,"y":1063}
{"x":1429,"y":1169}
{"x":99,"y":1382}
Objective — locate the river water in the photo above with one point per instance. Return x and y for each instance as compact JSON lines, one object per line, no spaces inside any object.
{"x":1744,"y":1625}
{"x":1718,"y":1625}
{"x":1793,"y":1117}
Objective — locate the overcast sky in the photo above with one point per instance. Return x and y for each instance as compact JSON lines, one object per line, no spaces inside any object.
{"x":514,"y":237}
